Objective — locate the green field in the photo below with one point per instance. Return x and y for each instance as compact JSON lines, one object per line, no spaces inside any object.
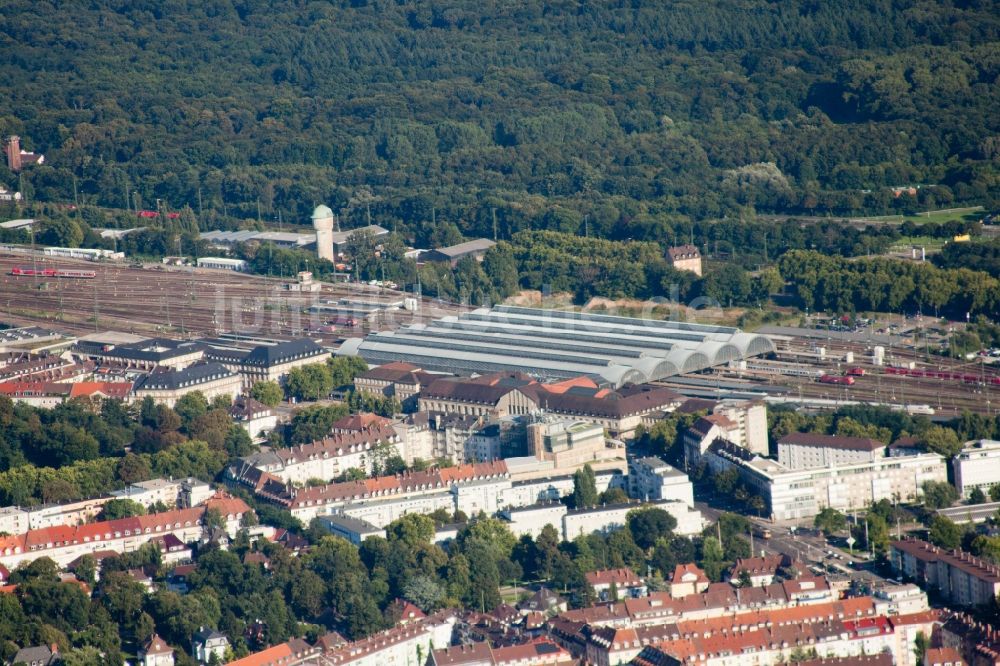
{"x":961,"y":214}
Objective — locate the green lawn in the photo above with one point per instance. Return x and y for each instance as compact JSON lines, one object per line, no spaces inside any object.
{"x":962,"y":214}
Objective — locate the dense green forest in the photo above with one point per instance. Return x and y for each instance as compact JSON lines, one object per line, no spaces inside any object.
{"x":607,"y":118}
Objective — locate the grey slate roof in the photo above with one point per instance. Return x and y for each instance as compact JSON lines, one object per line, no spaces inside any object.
{"x":266,"y":356}
{"x":194,"y":375}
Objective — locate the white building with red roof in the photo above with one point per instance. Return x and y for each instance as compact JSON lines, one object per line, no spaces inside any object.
{"x":687,"y":579}
{"x":155,"y":652}
{"x":65,"y":543}
{"x":626,"y":583}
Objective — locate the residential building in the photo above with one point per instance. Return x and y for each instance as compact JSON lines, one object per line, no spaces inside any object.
{"x":761,"y":570}
{"x":291,"y":653}
{"x":155,"y":652}
{"x":533,"y":518}
{"x":407,"y":644}
{"x":537,"y":652}
{"x":354,"y":530}
{"x":327,"y":458}
{"x":543,"y":601}
{"x":268,"y":362}
{"x":484,"y":444}
{"x":685,"y":258}
{"x":750,"y":420}
{"x":47,"y":395}
{"x":40,"y":655}
{"x":794,"y":494}
{"x":651,"y":478}
{"x":256,"y":418}
{"x":806,"y":450}
{"x":961,"y":578}
{"x":978,"y":642}
{"x":977,"y":466}
{"x":945,"y":656}
{"x":65,"y":543}
{"x":686,"y":580}
{"x":208,"y":643}
{"x":453,"y":254}
{"x":153,"y":491}
{"x":14,"y":520}
{"x":381,"y":500}
{"x":703,"y":432}
{"x":7,"y":195}
{"x":212,"y":380}
{"x":615,"y":584}
{"x":901,"y":599}
{"x":194,"y":492}
{"x":874,"y":641}
{"x":605,"y":519}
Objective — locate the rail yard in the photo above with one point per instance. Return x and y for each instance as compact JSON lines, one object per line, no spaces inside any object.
{"x":183,"y":302}
{"x":81,"y":297}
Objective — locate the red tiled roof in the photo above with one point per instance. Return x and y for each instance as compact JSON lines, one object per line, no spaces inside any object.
{"x":62,"y":535}
{"x":687,"y":569}
{"x":118,"y":390}
{"x":362,"y":421}
{"x":939,"y":656}
{"x":270,"y":657}
{"x":970,"y":564}
{"x":156,"y":645}
{"x":383,"y":485}
{"x":623,"y":576}
{"x":686,"y":251}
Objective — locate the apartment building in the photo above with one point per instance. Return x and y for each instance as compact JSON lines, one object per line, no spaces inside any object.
{"x":326,"y":458}
{"x":611,"y":517}
{"x":65,"y":543}
{"x":750,"y":420}
{"x":404,"y":645}
{"x":626,"y":583}
{"x":653,"y":479}
{"x":961,"y":578}
{"x":571,"y":523}
{"x":977,"y":465}
{"x":703,"y":432}
{"x":840,"y":639}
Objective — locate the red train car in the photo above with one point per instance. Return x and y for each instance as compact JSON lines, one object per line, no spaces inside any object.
{"x":17,"y":271}
{"x":835,"y":379}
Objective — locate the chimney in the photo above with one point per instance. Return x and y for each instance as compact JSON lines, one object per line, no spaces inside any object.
{"x":14,"y":152}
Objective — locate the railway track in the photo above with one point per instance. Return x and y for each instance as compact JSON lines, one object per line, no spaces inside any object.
{"x":188,"y":303}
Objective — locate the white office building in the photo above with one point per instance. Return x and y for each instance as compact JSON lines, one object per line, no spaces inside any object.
{"x":801,"y":493}
{"x":806,"y":450}
{"x":977,"y":466}
{"x":651,"y":478}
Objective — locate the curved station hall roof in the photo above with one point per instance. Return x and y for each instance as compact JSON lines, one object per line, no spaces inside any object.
{"x":559,"y":344}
